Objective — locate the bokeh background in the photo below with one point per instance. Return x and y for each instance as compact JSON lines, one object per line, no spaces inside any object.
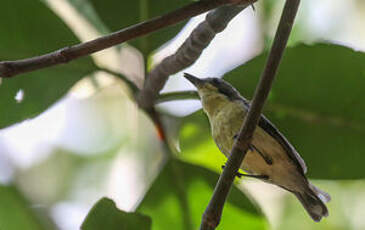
{"x":95,"y":142}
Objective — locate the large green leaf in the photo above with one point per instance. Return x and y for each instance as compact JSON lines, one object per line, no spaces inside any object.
{"x":316,"y":102}
{"x":105,"y":215}
{"x":36,"y":32}
{"x":181,"y":193}
{"x":120,"y":14}
{"x":15,"y":212}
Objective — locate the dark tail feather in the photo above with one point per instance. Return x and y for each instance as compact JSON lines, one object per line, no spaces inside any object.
{"x":313,"y":201}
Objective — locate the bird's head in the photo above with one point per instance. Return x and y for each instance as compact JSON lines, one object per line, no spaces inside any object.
{"x":213,"y":92}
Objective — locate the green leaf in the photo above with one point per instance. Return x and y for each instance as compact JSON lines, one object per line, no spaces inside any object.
{"x":87,"y":10}
{"x":120,"y":14}
{"x":181,"y":193}
{"x":105,"y":215}
{"x":15,"y":213}
{"x":317,"y":103}
{"x":196,"y":143}
{"x":36,"y":32}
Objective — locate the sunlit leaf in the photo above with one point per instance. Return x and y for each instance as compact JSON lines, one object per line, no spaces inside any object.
{"x":15,"y":212}
{"x":36,"y":32}
{"x":181,"y":193}
{"x":196,"y":143}
{"x":105,"y":215}
{"x":87,"y":10}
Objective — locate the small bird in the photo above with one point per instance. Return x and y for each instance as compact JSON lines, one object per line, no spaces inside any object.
{"x":271,"y":157}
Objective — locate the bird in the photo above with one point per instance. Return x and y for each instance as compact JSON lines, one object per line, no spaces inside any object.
{"x":270,"y":157}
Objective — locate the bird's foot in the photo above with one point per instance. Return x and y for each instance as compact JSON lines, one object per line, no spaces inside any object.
{"x":264,"y":177}
{"x":239,"y":175}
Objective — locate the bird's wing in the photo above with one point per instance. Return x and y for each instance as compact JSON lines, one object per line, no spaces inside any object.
{"x":266,"y":125}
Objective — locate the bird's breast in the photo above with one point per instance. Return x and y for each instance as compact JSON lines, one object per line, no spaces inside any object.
{"x":226,"y":124}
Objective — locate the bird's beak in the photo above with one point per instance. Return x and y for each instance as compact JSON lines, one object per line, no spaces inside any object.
{"x":194,"y":80}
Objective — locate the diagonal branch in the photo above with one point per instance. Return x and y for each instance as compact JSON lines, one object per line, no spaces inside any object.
{"x":64,"y":55}
{"x":212,"y":214}
{"x":178,"y":95}
{"x":189,"y":51}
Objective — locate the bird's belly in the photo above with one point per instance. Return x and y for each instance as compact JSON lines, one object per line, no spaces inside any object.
{"x":281,"y":172}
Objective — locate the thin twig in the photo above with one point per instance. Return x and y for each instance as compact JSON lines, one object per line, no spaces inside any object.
{"x":178,"y":95}
{"x":189,"y":51}
{"x":129,"y":83}
{"x":212,"y":214}
{"x":64,"y":55}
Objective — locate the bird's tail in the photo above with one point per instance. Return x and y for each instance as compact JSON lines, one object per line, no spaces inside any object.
{"x":313,"y":200}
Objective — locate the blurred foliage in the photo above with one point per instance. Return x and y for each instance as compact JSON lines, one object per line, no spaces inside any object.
{"x":88,"y":11}
{"x":346,"y":209}
{"x":66,"y":171}
{"x":105,"y":215}
{"x":120,"y":14}
{"x":40,"y":31}
{"x":270,"y":13}
{"x":60,"y":168}
{"x":181,"y":193}
{"x":15,"y":213}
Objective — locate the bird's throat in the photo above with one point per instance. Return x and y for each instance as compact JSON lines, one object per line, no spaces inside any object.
{"x":213,"y":103}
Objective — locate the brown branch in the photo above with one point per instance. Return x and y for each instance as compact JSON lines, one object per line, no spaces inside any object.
{"x":64,"y":55}
{"x":178,"y":95}
{"x":212,"y":214}
{"x":189,"y":51}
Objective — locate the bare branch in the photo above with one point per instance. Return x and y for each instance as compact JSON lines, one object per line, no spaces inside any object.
{"x":178,"y":95}
{"x":64,"y":55}
{"x":212,"y":214}
{"x":189,"y":51}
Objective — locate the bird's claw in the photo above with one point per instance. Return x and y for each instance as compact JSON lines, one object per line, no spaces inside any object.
{"x":240,"y":175}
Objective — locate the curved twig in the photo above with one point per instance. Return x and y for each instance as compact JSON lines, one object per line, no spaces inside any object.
{"x":178,"y":95}
{"x":189,"y":51}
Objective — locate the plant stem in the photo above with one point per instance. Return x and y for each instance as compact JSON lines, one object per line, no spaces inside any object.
{"x":178,"y":95}
{"x":213,"y":212}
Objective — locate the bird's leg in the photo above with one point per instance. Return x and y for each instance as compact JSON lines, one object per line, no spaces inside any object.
{"x":239,"y":175}
{"x":264,"y":177}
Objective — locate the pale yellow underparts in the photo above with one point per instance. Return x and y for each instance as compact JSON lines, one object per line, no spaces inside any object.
{"x":226,"y":118}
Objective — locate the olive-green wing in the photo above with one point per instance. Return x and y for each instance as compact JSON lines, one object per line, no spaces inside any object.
{"x":266,"y":125}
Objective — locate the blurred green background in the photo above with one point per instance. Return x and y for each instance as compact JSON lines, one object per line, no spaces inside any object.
{"x":72,"y":134}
